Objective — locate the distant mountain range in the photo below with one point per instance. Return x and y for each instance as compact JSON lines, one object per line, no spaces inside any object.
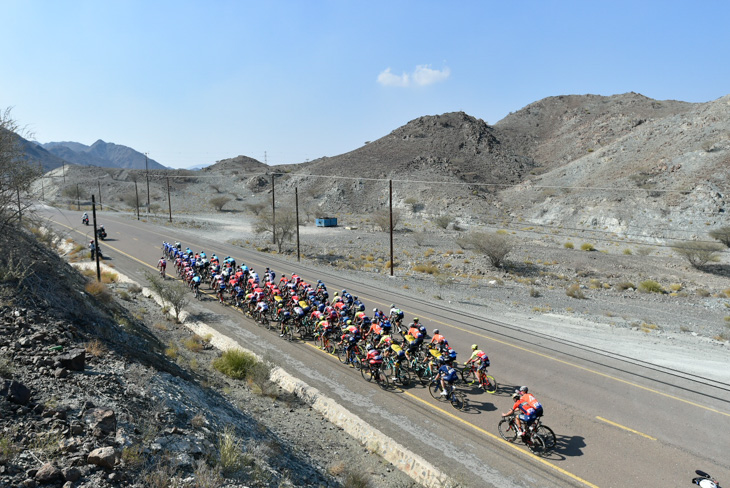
{"x":100,"y":153}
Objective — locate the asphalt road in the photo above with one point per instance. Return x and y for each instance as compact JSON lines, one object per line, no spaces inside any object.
{"x":619,"y":422}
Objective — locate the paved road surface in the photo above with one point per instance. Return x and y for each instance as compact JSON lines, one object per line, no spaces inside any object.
{"x":619,"y":423}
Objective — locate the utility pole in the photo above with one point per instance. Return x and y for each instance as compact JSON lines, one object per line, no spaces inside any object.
{"x":391,"y":226}
{"x":147,"y":171}
{"x":96,"y":239}
{"x":63,"y":171}
{"x":273,"y":211}
{"x":136,"y":194}
{"x":100,"y":205}
{"x":78,"y":197}
{"x":169,"y":202}
{"x":296,"y":204}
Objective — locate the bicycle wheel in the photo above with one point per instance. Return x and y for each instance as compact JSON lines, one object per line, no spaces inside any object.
{"x":404,"y":377}
{"x":330,"y":346}
{"x":548,"y":436}
{"x":435,"y":390}
{"x":507,"y":429}
{"x":264,"y":320}
{"x":468,"y":375}
{"x":289,"y":334}
{"x":367,"y":373}
{"x":342,"y":355}
{"x":382,"y":379}
{"x":536,"y":444}
{"x":490,"y":385}
{"x":458,"y":400}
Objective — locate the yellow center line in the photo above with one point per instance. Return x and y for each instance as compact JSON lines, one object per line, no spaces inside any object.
{"x":625,"y":428}
{"x":583,"y":368}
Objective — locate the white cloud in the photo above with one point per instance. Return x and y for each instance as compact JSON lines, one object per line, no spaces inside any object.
{"x":387,"y":78}
{"x":423,"y":75}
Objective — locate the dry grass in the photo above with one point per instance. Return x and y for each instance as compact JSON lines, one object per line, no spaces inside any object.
{"x":96,"y":348}
{"x":99,"y":291}
{"x":426,"y":268}
{"x":194,"y":343}
{"x":574,"y":291}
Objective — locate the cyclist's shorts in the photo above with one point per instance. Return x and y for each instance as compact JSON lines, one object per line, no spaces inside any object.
{"x":527,"y":418}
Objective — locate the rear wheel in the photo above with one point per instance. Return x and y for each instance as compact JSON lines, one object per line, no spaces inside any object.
{"x":490,"y":384}
{"x":367,"y":373}
{"x":330,"y":346}
{"x":507,"y":429}
{"x":467,"y":375}
{"x":548,"y":436}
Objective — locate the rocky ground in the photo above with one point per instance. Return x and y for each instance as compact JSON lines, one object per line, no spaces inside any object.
{"x":79,"y":408}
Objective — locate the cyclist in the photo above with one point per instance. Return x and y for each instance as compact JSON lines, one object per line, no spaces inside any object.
{"x":478,"y":356}
{"x":446,"y":375}
{"x":195,"y":284}
{"x":374,"y":357}
{"x":438,"y":341}
{"x":162,"y":264}
{"x":393,"y":348}
{"x":529,"y":408}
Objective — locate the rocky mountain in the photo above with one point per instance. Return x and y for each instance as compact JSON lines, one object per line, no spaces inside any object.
{"x":101,"y":154}
{"x":623,"y":163}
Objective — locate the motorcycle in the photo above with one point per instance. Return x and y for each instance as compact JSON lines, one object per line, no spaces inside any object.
{"x":101,"y":234}
{"x":705,"y":480}
{"x":85,"y":220}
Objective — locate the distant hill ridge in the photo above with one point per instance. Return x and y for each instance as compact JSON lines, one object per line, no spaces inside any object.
{"x":100,"y":153}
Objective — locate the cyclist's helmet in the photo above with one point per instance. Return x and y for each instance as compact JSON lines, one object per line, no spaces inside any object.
{"x":452,"y":354}
{"x":392,"y":305}
{"x":415,"y":320}
{"x":349,"y":322}
{"x":523,"y":389}
{"x":369,"y":347}
{"x":474,"y":347}
{"x":321,"y":307}
{"x":435,"y":331}
{"x":516,"y":395}
{"x":344,"y":291}
{"x":442,"y":360}
{"x":375,"y":310}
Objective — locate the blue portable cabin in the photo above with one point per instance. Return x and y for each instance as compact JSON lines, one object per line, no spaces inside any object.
{"x":326,"y":222}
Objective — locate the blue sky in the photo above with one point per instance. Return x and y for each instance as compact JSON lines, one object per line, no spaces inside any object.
{"x":195,"y":82}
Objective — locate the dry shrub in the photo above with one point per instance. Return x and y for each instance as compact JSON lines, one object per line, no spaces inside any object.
{"x":574,"y":291}
{"x":194,"y":343}
{"x":109,"y":277}
{"x":650,"y":286}
{"x":426,"y":268}
{"x":99,"y":291}
{"x":96,"y":348}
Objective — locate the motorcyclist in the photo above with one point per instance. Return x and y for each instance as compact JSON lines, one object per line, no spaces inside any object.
{"x":85,"y":218}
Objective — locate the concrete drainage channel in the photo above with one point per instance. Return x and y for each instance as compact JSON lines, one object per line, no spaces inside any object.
{"x":410,"y":463}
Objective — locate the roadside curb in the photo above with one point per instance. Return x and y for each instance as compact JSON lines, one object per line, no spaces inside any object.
{"x":415,"y":466}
